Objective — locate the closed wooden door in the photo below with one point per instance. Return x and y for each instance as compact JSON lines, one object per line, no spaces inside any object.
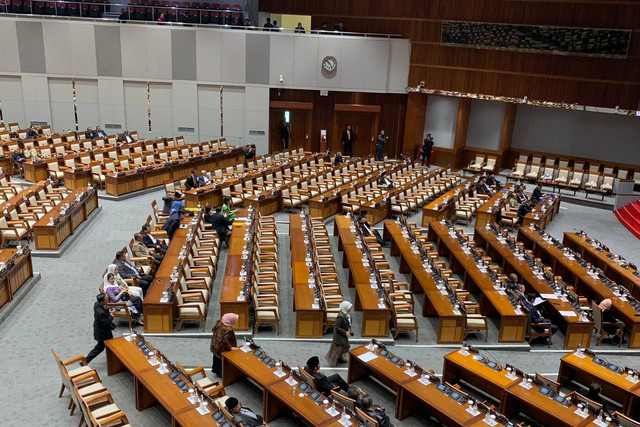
{"x":363,"y":124}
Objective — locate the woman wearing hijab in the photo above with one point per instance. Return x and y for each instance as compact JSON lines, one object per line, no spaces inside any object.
{"x":223,"y":339}
{"x":340,"y":344}
{"x":608,"y":317}
{"x":117,"y":294}
{"x":119,"y":281}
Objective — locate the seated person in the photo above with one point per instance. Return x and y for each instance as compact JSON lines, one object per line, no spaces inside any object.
{"x":203,"y":179}
{"x":483,"y":188}
{"x":243,"y":416}
{"x":32,"y":154}
{"x":385,"y":181}
{"x":324,"y":384}
{"x":521,"y":196}
{"x":226,"y":209}
{"x":338,"y":159}
{"x":151,"y":242}
{"x":512,"y":281}
{"x":607,"y":316}
{"x":219,"y":222}
{"x":594,"y":394}
{"x":18,"y":157}
{"x":100,"y":133}
{"x":124,"y":295}
{"x":356,"y":394}
{"x":536,"y":317}
{"x":493,"y":182}
{"x":32,"y":132}
{"x":523,"y":210}
{"x":129,"y":271}
{"x":375,"y":412}
{"x":192,"y":180}
{"x":139,"y":250}
{"x":367,"y":230}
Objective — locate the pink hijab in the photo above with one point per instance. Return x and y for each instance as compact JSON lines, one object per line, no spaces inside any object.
{"x":605,"y":304}
{"x":229,"y":319}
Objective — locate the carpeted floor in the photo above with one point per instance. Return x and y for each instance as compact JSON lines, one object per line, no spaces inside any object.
{"x":57,"y":314}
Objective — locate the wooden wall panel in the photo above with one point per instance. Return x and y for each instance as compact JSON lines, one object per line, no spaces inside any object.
{"x":391,"y":119}
{"x":584,"y":80}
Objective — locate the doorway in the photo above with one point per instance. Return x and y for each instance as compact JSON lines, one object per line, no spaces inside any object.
{"x":364,"y":124}
{"x":290,"y":126}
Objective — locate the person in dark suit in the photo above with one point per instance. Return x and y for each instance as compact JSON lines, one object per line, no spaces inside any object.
{"x":523,"y":210}
{"x":286,"y":132}
{"x":219,"y":222}
{"x":367,"y":230}
{"x":537,"y":193}
{"x":100,"y":133}
{"x":341,"y":333}
{"x":493,"y":182}
{"x":338,"y":160}
{"x":536,"y":317}
{"x":243,"y":416}
{"x":268,"y":26}
{"x":32,"y":132}
{"x":385,"y":181}
{"x":90,"y":134}
{"x":151,"y":242}
{"x":129,"y":271}
{"x":125,"y":137}
{"x":427,"y":146}
{"x":483,"y":188}
{"x":512,"y":281}
{"x":608,"y":317}
{"x":375,"y":412}
{"x":380,"y":144}
{"x":299,"y":29}
{"x":356,"y":393}
{"x":192,"y":180}
{"x":348,"y":139}
{"x":173,"y":223}
{"x":102,"y":317}
{"x":594,"y":394}
{"x":324,"y":384}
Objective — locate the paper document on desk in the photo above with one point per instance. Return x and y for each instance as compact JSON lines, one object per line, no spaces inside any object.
{"x":538,"y":301}
{"x":567,"y":313}
{"x":184,"y":225}
{"x":548,"y":296}
{"x":367,"y":357}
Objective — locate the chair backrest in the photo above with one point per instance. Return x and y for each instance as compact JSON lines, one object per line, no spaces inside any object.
{"x":597,"y":316}
{"x":366,"y":419}
{"x":307,"y":377}
{"x":624,"y":421}
{"x":520,"y":166}
{"x":549,"y":383}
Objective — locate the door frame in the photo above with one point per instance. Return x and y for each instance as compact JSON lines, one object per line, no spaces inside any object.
{"x":354,"y":108}
{"x":291,"y":105}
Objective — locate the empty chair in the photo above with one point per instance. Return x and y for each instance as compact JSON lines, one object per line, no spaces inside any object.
{"x":533,"y":172}
{"x":491,"y":164}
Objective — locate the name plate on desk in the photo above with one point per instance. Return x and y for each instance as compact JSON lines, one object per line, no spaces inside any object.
{"x":382,"y":306}
{"x":153,"y":362}
{"x":164,"y":299}
{"x":162,"y":370}
{"x":463,"y":352}
{"x":444,"y":292}
{"x":246,"y":349}
{"x":472,"y":411}
{"x":345,"y":422}
{"x":490,"y":421}
{"x":549,"y":296}
{"x":457,"y":312}
{"x":315,"y":306}
{"x":567,"y":313}
{"x":579,"y":355}
{"x":331,"y":411}
{"x":424,"y":381}
{"x":411,"y":374}
{"x":525,"y":385}
{"x":511,"y":376}
{"x":291,"y":381}
{"x":631,"y":379}
{"x":600,"y":422}
{"x":279,"y":374}
{"x":203,"y":410}
{"x":367,"y":357}
{"x":581,"y":413}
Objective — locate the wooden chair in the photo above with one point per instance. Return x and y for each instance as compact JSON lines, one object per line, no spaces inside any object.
{"x":267,"y":312}
{"x":490,"y":166}
{"x":533,"y":333}
{"x":190,"y":311}
{"x":366,"y":419}
{"x":599,"y":325}
{"x":403,"y":319}
{"x":476,"y":322}
{"x":67,"y":374}
{"x":518,"y":171}
{"x":211,"y":388}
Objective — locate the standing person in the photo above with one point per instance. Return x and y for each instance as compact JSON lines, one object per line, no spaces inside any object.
{"x":380,"y":143}
{"x":427,"y":145}
{"x":102,"y":325}
{"x":523,"y":210}
{"x":340,"y":344}
{"x":299,"y":29}
{"x":268,"y":26}
{"x":223,"y":339}
{"x":249,"y":153}
{"x":192,"y":180}
{"x":348,"y":139}
{"x":608,"y":317}
{"x":275,"y":26}
{"x":219,"y":222}
{"x":286,"y":128}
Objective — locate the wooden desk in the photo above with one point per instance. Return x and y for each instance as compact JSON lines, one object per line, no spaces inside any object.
{"x":309,"y":320}
{"x":50,"y":237}
{"x":512,"y":325}
{"x":541,"y":407}
{"x":160,"y":315}
{"x":15,"y":276}
{"x":208,"y":195}
{"x":541,"y":219}
{"x":375,"y":320}
{"x":584,"y":283}
{"x":266,"y":204}
{"x":437,"y":210}
{"x":576,"y":331}
{"x":35,"y":172}
{"x":458,"y":366}
{"x":150,"y":386}
{"x":488,"y":212}
{"x":615,"y":386}
{"x":450,"y":325}
{"x":391,"y":375}
{"x":191,"y":417}
{"x":78,"y":178}
{"x":605,"y":260}
{"x":415,"y":394}
{"x":231,"y":285}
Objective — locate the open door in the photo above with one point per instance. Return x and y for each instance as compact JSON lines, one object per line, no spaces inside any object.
{"x":290,"y":125}
{"x":364,"y":123}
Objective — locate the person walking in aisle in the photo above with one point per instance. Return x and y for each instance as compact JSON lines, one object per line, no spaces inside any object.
{"x":102,"y":325}
{"x":427,"y":145}
{"x":340,"y":344}
{"x":223,"y":339}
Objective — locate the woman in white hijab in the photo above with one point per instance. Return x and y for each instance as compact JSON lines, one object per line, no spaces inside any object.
{"x":341,"y":327}
{"x":113,"y":269}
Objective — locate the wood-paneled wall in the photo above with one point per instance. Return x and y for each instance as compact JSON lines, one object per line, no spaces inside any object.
{"x":573,"y":79}
{"x":391,"y":117}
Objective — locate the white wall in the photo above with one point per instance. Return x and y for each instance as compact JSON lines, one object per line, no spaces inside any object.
{"x":485,"y":124}
{"x":442,"y":114}
{"x":608,"y":137}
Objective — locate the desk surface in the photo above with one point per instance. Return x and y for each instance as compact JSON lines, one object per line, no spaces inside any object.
{"x":604,"y":374}
{"x":303,"y":295}
{"x":55,"y":212}
{"x":383,"y":368}
{"x":470,"y":364}
{"x":232,"y":285}
{"x":129,"y":354}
